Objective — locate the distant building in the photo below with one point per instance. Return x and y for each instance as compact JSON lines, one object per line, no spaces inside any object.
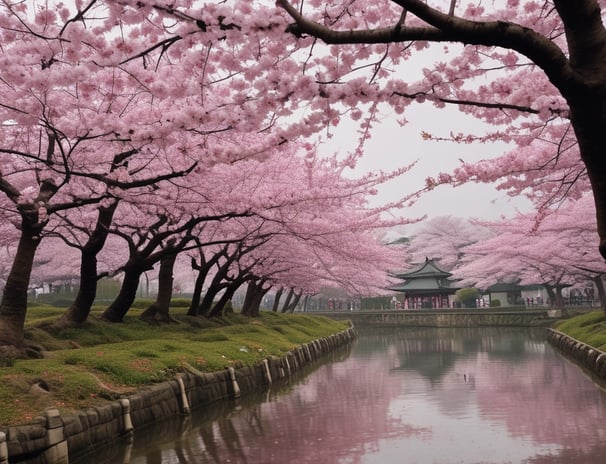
{"x":428,"y":286}
{"x":506,"y":293}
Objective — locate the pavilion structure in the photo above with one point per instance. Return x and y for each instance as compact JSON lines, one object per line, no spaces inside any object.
{"x":426,"y":287}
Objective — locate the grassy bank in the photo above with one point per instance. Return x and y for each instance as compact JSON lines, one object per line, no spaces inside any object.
{"x":102,"y":361}
{"x":588,"y":328}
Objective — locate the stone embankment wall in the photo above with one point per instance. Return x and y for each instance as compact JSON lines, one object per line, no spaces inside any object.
{"x":51,"y":439}
{"x":448,"y":318}
{"x":589,"y":358}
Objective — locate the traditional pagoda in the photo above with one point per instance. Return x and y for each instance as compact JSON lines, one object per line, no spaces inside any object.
{"x":428,"y":286}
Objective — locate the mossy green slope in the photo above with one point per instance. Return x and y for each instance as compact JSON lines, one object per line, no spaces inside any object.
{"x":589,"y":328}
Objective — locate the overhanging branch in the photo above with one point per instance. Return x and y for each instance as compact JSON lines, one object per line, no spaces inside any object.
{"x":443,"y":27}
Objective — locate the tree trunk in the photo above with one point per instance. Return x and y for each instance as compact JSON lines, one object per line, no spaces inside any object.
{"x":79,"y":310}
{"x":584,"y":88}
{"x":217,"y":309}
{"x":249,"y":297}
{"x":589,"y":122}
{"x":550,"y":294}
{"x":215,"y":287}
{"x":291,"y":292}
{"x":256,"y":304}
{"x":254,"y":296}
{"x":559,"y":298}
{"x":207,"y":301}
{"x":14,"y":299}
{"x":203,"y":269}
{"x":116,"y":311}
{"x":599,"y":283}
{"x":197,"y":295}
{"x":306,"y":303}
{"x":158,"y":312}
{"x":295,"y":302}
{"x":277,"y":300}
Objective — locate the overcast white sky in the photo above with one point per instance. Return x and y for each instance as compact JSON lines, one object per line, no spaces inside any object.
{"x":393,"y":146}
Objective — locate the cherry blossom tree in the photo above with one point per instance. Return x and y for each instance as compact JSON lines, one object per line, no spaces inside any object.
{"x":108,"y":103}
{"x":542,"y":62}
{"x":533,"y":70}
{"x":445,"y":239}
{"x":309,"y":225}
{"x":69,"y":138}
{"x":555,"y":251}
{"x":156,"y":233}
{"x":86,"y":113}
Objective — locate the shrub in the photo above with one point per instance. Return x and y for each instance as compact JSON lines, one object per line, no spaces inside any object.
{"x":468,"y":296}
{"x":495,"y":303}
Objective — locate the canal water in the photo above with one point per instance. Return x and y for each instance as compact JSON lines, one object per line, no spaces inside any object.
{"x":407,"y":396}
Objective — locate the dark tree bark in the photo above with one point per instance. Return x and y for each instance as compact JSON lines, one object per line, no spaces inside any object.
{"x":158,"y":312}
{"x":554,"y":292}
{"x":209,"y":297}
{"x":248,"y":297}
{"x":217,"y":309}
{"x":256,"y":304}
{"x":133,"y":269}
{"x":13,"y":306}
{"x":79,"y":310}
{"x":145,"y":251}
{"x":254,"y":296}
{"x":14,"y":299}
{"x":277,"y":299}
{"x":138,"y":263}
{"x":286,"y":304}
{"x":198,"y":287}
{"x":219,"y":282}
{"x":203,"y":269}
{"x":293,"y":304}
{"x":550,"y":294}
{"x":599,"y":283}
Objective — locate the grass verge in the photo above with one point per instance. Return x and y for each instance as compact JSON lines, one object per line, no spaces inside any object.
{"x":589,"y":328}
{"x":101,"y":361}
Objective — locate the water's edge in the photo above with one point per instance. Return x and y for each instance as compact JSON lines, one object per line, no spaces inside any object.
{"x":52,"y":439}
{"x":592,"y":360}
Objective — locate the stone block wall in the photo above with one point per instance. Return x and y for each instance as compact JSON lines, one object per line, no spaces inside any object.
{"x":589,"y":358}
{"x":446,"y":318}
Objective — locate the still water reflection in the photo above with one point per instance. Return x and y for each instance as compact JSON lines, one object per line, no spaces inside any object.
{"x":438,"y":396}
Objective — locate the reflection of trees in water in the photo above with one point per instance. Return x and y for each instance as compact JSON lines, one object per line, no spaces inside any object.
{"x":515,"y":380}
{"x":531,"y":393}
{"x":546,"y":398}
{"x":596,"y":454}
{"x":519,"y":389}
{"x":294,"y":426}
{"x":212,"y":433}
{"x":433,"y":352}
{"x":275,"y":428}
